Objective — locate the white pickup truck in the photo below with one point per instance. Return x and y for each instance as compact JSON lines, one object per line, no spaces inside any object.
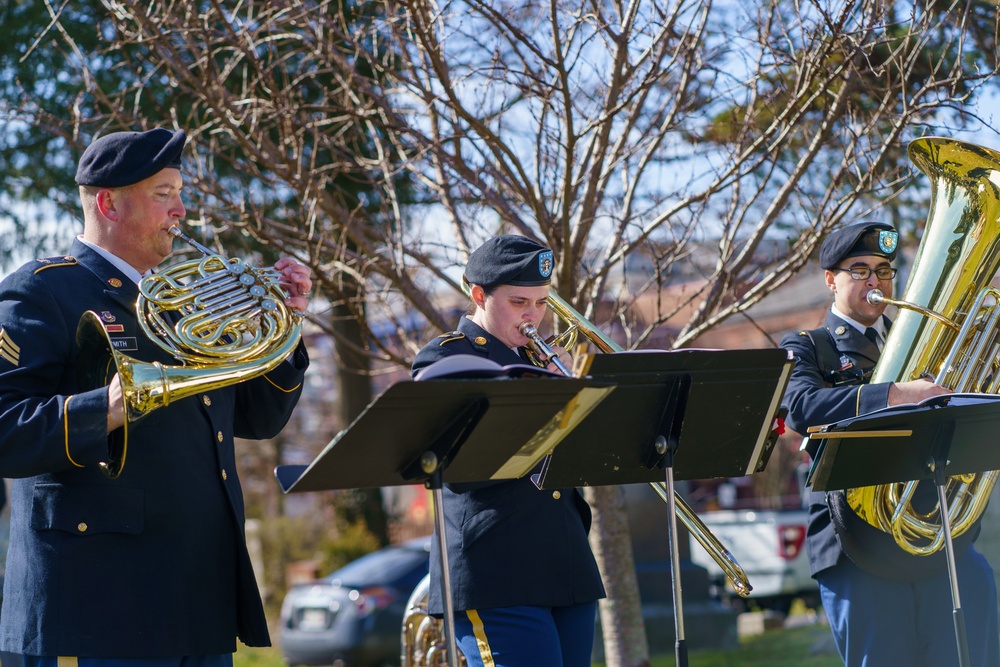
{"x":770,"y":547}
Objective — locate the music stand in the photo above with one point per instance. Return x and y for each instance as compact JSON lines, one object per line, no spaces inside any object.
{"x":938,"y":438}
{"x":468,"y":430}
{"x":727,"y":419}
{"x":684,"y":414}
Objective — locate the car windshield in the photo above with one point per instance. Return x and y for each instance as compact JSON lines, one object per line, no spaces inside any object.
{"x":381,"y":566}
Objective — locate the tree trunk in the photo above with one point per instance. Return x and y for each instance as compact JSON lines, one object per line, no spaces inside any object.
{"x":624,"y":630}
{"x":354,"y":376}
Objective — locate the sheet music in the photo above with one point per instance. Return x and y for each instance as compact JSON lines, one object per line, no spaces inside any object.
{"x":472,"y":366}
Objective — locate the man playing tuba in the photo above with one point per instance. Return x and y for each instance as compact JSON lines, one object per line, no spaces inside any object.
{"x":885,"y":607}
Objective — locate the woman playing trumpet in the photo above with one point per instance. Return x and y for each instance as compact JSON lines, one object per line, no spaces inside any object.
{"x":524,"y":580}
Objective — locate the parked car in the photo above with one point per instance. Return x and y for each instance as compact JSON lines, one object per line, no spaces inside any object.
{"x":770,"y":547}
{"x":353,"y":617}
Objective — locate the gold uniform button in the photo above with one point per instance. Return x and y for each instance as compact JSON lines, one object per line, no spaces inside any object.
{"x":480,"y":340}
{"x":206,"y":400}
{"x":224,"y":475}
{"x":556,"y":495}
{"x":82,"y":527}
{"x":840,"y":331}
{"x":219,"y":436}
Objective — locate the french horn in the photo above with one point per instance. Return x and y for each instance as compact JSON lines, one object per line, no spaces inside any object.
{"x":223,"y":320}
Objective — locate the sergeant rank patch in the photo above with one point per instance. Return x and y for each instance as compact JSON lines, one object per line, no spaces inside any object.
{"x":9,"y":350}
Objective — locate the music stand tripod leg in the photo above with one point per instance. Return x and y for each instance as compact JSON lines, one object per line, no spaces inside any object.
{"x":667,"y":449}
{"x":938,"y":465}
{"x":430,"y":465}
{"x":434,"y":483}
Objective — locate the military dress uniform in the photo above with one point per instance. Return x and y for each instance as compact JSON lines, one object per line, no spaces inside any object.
{"x":151,"y":564}
{"x":519,"y":556}
{"x":885,"y":607}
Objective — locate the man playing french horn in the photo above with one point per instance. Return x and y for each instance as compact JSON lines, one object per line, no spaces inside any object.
{"x":148,"y":563}
{"x":886,"y":607}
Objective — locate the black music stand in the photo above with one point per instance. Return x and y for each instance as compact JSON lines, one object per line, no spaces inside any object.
{"x":685,"y":414}
{"x":466,"y":430}
{"x":938,"y":438}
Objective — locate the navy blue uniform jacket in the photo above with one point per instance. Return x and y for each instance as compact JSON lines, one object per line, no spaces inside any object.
{"x":813,"y":401}
{"x":509,"y":543}
{"x":153,"y":563}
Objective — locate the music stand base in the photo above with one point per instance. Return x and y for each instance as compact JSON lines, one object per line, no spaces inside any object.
{"x":680,"y":645}
{"x":435,"y":485}
{"x":958,"y":616}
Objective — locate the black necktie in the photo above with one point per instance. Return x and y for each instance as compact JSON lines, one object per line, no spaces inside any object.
{"x":872,"y":335}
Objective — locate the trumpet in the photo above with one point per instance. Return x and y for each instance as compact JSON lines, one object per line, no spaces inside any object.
{"x":577,"y":325}
{"x":542,"y":350}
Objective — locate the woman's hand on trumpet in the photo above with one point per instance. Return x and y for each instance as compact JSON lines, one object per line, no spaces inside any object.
{"x":563,"y":356}
{"x":297,"y":281}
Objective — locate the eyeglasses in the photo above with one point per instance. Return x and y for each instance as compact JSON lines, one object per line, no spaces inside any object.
{"x":864,"y":272}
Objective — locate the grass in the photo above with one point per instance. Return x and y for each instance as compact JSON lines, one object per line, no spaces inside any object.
{"x":794,"y":647}
{"x":257,"y":657}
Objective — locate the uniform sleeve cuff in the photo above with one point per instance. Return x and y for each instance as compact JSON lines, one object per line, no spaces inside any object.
{"x":85,"y":427}
{"x":872,"y":397}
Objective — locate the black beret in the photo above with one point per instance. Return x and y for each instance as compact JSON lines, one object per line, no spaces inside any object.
{"x":509,"y":260}
{"x":863,"y":238}
{"x":125,"y":158}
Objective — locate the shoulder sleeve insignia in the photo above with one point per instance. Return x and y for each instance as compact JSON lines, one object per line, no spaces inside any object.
{"x":52,"y":262}
{"x":8,"y":349}
{"x":450,"y":336}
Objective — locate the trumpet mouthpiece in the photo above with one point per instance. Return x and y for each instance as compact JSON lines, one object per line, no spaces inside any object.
{"x":527,"y":329}
{"x":875,"y":297}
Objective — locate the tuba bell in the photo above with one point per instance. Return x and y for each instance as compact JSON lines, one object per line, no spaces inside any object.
{"x":224,"y":320}
{"x":947,"y":328}
{"x":422,"y":637}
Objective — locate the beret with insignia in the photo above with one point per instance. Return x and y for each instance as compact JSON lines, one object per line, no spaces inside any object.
{"x":125,"y":158}
{"x":863,"y":238}
{"x":510,"y":260}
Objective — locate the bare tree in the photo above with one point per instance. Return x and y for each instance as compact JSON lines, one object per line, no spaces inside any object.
{"x":645,"y":142}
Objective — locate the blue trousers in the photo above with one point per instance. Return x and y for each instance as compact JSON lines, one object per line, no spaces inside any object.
{"x":882,"y":623}
{"x":527,"y":636}
{"x":220,"y":660}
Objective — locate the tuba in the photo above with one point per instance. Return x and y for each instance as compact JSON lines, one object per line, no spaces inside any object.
{"x":225,"y":321}
{"x":947,"y":328}
{"x":421,"y":635}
